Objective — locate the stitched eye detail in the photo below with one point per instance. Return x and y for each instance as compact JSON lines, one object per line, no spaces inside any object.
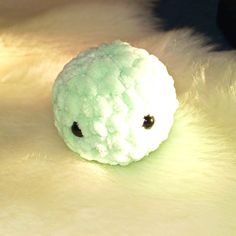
{"x":76,"y":130}
{"x":148,"y":122}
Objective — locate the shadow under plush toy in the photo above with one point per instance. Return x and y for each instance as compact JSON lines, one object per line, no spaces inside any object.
{"x":114,"y":103}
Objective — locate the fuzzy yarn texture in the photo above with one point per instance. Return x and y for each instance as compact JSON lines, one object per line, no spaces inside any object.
{"x":186,"y":187}
{"x":108,"y":92}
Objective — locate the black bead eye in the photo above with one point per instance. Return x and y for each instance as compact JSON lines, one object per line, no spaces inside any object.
{"x":148,"y":122}
{"x":76,"y":130}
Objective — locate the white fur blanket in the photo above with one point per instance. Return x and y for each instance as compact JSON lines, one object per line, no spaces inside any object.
{"x":186,"y":187}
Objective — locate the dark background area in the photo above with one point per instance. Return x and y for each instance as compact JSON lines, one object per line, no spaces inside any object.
{"x":215,"y":19}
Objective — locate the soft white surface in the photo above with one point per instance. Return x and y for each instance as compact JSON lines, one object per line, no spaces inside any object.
{"x":187,"y":187}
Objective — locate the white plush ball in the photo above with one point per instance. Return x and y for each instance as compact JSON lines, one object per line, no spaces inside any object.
{"x":114,"y":103}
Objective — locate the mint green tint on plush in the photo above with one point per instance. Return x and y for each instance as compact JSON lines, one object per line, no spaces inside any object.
{"x":108,"y":91}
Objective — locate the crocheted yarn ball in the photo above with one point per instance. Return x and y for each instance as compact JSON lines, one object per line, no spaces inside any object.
{"x":114,"y":103}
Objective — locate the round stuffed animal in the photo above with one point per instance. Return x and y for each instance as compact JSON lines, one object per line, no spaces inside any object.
{"x":114,"y":103}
